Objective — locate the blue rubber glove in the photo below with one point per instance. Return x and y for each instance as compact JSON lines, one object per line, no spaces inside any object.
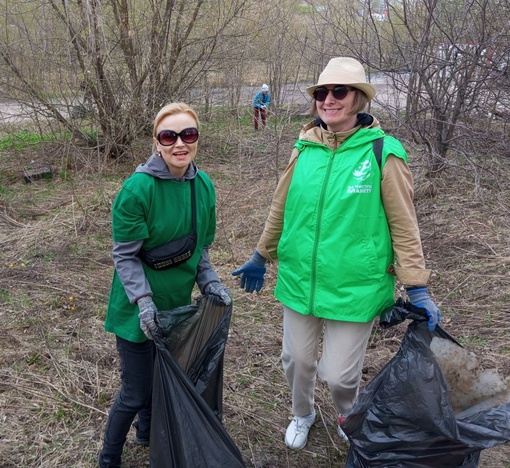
{"x":220,"y":290}
{"x":252,"y":273}
{"x":419,"y":297}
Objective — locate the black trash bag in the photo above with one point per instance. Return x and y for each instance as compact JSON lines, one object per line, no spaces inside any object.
{"x":186,"y":428}
{"x":196,"y":336}
{"x":403,"y":418}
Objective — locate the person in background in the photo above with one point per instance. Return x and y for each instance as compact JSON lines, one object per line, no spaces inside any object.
{"x":154,"y":206}
{"x":341,"y":229}
{"x":261,"y":102}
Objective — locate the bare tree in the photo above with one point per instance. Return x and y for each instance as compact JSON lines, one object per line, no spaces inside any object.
{"x":447,"y":60}
{"x":451,"y":71}
{"x":115,"y":63}
{"x":124,"y":58}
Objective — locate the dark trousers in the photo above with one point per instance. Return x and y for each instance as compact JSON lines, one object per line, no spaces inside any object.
{"x":259,"y":114}
{"x":134,"y":397}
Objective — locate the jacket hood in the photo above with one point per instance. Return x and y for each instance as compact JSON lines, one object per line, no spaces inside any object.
{"x":313,"y":130}
{"x":316,"y":131}
{"x":156,"y":167}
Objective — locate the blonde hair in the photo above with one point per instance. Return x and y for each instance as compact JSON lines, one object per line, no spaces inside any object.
{"x":359,"y":103}
{"x":173,"y":109}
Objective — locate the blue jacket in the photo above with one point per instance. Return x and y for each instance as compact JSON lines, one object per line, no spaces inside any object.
{"x":262,"y":99}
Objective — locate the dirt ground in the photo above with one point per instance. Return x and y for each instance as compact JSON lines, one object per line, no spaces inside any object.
{"x":59,"y":369}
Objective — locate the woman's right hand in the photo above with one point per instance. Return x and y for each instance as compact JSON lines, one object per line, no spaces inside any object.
{"x":252,"y":272}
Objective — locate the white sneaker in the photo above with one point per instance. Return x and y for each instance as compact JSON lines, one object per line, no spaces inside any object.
{"x":340,"y":431}
{"x":297,"y":432}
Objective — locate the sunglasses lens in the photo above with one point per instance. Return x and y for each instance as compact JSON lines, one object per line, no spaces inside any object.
{"x":167,"y":137}
{"x":320,"y":94}
{"x":339,"y":92}
{"x":189,"y":135}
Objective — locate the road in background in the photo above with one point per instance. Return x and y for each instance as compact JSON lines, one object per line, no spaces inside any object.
{"x":292,"y":95}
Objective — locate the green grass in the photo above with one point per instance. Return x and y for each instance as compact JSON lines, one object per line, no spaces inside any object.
{"x":473,"y":340}
{"x":5,"y":295}
{"x":24,"y":139}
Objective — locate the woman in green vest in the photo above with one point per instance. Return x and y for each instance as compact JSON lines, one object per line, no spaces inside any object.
{"x":168,"y":204}
{"x":341,"y":227}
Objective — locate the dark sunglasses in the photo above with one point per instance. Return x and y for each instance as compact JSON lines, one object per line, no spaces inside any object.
{"x":169,"y":137}
{"x":339,"y":93}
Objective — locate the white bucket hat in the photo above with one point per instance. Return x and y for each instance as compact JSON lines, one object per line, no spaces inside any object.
{"x":264,"y":87}
{"x":344,"y":71}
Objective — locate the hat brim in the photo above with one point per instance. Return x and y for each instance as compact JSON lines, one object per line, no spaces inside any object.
{"x":366,"y":88}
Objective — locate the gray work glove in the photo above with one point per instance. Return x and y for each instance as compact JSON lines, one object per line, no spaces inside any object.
{"x":252,"y":272}
{"x":147,"y":317}
{"x":220,"y":290}
{"x":419,"y":297}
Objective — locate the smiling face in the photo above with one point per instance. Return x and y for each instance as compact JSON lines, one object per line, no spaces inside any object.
{"x":178,"y":156}
{"x":337,"y":113}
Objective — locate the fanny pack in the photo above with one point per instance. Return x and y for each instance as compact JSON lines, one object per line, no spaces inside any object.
{"x":177,"y":251}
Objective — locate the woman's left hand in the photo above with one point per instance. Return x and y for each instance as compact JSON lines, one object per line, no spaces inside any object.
{"x":220,"y":290}
{"x":419,"y":297}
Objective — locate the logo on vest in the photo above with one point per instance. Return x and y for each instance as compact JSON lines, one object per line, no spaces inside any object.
{"x":361,"y":173}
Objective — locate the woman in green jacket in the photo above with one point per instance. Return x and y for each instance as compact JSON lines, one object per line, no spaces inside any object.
{"x":341,"y":226}
{"x":167,"y":203}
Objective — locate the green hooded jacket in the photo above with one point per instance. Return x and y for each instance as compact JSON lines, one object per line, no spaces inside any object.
{"x":335,"y":247}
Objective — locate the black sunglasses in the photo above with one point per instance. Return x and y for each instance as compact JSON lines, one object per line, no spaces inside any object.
{"x":339,"y":93}
{"x":169,"y":137}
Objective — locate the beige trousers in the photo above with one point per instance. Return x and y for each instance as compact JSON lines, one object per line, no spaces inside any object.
{"x":343,"y":352}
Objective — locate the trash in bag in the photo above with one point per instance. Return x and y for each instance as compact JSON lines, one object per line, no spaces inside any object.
{"x":470,"y":387}
{"x":414,"y":413}
{"x":186,"y":427}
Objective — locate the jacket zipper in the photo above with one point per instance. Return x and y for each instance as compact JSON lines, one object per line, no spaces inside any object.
{"x":317,"y":231}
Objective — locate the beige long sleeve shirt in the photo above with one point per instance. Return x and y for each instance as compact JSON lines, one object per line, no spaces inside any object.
{"x":397,"y":196}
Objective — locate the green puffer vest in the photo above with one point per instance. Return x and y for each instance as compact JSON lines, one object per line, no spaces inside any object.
{"x":335,"y":246}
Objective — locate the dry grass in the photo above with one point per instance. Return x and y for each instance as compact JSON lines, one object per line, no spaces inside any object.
{"x":59,"y":369}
